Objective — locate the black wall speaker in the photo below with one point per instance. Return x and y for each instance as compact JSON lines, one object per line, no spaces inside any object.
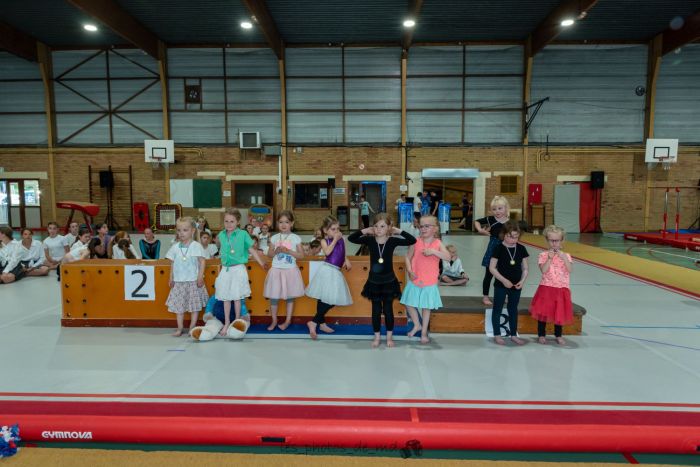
{"x":331,"y":182}
{"x":106,"y":179}
{"x":598,"y":180}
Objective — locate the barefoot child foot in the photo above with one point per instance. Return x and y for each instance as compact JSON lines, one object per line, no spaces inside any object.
{"x":499,"y":340}
{"x":272,"y":325}
{"x":416,"y":329}
{"x":312,"y":329}
{"x":487,"y":301}
{"x":561,"y":341}
{"x":224,"y":330}
{"x":325,"y":328}
{"x":425,"y":340}
{"x":390,"y":342}
{"x":517,"y":340}
{"x":376,"y":341}
{"x":284,"y":325}
{"x":177,"y":333}
{"x":542,"y":340}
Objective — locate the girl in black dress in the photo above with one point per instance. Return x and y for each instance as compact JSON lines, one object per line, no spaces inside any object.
{"x":491,"y":226}
{"x":382,"y":286}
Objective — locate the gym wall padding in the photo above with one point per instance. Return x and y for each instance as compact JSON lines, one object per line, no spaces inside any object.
{"x":566,"y":207}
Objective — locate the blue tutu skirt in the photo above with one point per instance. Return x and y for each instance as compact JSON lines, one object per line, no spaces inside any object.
{"x":427,"y":298}
{"x":493,"y":241}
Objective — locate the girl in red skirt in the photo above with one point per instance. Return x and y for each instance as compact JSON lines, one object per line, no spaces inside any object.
{"x":552,"y":301}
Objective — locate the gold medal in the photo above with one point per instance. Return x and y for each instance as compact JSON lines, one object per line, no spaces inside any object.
{"x":512,"y":262}
{"x":381,"y":260}
{"x":184,"y":258}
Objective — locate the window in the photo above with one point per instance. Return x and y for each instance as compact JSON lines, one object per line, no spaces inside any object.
{"x":247,"y":194}
{"x":311,"y":195}
{"x":509,"y":184}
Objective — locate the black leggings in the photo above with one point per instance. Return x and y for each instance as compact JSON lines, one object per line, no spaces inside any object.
{"x":383,"y":306}
{"x":486,"y":285}
{"x":321,"y":310}
{"x":542,"y":329}
{"x":499,"y":298}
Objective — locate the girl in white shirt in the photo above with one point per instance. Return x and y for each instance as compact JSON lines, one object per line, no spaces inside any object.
{"x":452,"y":270}
{"x":32,"y":255}
{"x":283,"y":281}
{"x":187,"y":290}
{"x":210,"y":249}
{"x":55,"y":247}
{"x":11,"y":269}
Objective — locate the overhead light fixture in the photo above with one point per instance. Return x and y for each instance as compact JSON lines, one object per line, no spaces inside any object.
{"x":409,"y":23}
{"x":90,"y":27}
{"x":567,"y":22}
{"x":246,"y":25}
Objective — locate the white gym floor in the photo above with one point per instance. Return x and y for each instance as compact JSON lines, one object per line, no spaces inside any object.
{"x":641,"y":345}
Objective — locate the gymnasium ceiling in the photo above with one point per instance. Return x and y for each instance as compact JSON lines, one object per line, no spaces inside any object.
{"x":59,"y":23}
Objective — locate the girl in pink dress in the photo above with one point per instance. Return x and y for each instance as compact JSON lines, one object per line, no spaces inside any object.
{"x":552,"y":301}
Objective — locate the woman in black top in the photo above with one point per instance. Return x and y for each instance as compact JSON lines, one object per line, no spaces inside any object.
{"x":382,"y":286}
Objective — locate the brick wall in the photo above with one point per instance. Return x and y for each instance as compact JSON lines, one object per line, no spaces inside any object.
{"x":623,"y":199}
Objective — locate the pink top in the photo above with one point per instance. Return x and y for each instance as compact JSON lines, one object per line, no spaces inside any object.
{"x":426,"y":268}
{"x":557,"y":275}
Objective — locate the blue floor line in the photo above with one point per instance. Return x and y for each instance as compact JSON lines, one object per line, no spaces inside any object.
{"x":653,"y":342}
{"x":696,"y":327}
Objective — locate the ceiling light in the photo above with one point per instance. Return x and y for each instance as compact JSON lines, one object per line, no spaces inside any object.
{"x":90,"y":27}
{"x":409,"y":23}
{"x":567,"y":22}
{"x":247,"y":25}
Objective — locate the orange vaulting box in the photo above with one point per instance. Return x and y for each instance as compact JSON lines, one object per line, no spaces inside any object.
{"x":132,"y":293}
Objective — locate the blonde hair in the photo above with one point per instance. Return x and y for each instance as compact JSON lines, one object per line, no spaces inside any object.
{"x":451,"y":248}
{"x":435,"y":221}
{"x":191,"y":222}
{"x":327,"y":222}
{"x":233,"y":212}
{"x":382,"y":216}
{"x":501,"y":201}
{"x":554,"y":229}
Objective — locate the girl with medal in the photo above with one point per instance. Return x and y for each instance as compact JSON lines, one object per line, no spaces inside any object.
{"x":232,"y":283}
{"x":423,"y":270}
{"x":491,"y":226}
{"x":187,"y":290}
{"x":509,"y":267}
{"x":283,"y":281}
{"x":382,"y":287}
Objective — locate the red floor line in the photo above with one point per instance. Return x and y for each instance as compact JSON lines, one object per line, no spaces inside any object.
{"x":414,"y":415}
{"x":630,"y":458}
{"x":686,"y":293}
{"x":352,"y":400}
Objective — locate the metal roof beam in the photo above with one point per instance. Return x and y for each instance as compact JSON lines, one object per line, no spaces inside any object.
{"x":109,"y":13}
{"x":688,"y":33}
{"x":261,"y":15}
{"x":413,"y":13}
{"x":18,"y":43}
{"x":551,"y":26}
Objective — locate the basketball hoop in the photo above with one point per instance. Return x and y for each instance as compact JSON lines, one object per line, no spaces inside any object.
{"x":666,"y":165}
{"x":154,"y":164}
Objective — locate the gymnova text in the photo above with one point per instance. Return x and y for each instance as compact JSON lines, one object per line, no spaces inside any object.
{"x":66,"y":434}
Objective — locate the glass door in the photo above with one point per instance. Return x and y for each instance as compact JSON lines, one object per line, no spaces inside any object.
{"x":20,"y":203}
{"x":4,"y":204}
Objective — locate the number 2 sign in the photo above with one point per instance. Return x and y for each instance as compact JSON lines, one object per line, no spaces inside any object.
{"x":139,"y":283}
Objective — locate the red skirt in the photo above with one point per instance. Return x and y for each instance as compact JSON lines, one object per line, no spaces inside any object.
{"x":552,"y":305}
